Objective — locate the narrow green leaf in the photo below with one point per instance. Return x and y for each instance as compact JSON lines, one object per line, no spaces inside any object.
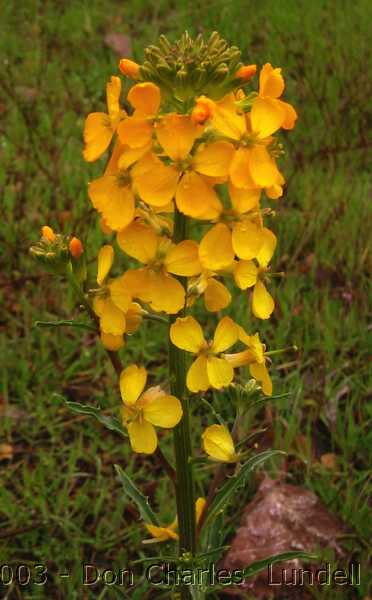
{"x":236,"y":481}
{"x":111,"y":423}
{"x":65,"y":323}
{"x":131,"y":490}
{"x":260,"y":565}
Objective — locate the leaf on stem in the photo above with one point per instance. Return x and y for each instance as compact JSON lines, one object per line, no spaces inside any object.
{"x":224,"y":495}
{"x":131,"y":490}
{"x":111,"y":423}
{"x":65,"y":323}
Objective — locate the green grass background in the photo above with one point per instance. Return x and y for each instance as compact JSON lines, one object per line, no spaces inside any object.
{"x":60,"y":504}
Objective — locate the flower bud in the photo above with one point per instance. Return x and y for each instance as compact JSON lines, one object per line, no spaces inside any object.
{"x":129,"y":68}
{"x":76,"y":247}
{"x":203,"y":110}
{"x":246,"y":72}
{"x":51,"y":251}
{"x":47,"y":233}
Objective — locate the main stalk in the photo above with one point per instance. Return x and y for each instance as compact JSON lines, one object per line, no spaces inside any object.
{"x":182,"y":442}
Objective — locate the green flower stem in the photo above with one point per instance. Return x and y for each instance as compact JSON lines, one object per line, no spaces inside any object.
{"x":182,"y":443}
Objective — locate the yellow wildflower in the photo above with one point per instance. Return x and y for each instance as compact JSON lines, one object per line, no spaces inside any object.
{"x":255,"y":357}
{"x":136,"y":131}
{"x":112,"y":194}
{"x":113,"y":299}
{"x":208,"y":369}
{"x":247,"y":274}
{"x":100,"y":127}
{"x":163,"y":534}
{"x":154,"y":283}
{"x":218,"y":444}
{"x":144,"y":410}
{"x":215,"y":293}
{"x":272,"y":87}
{"x":187,"y":176}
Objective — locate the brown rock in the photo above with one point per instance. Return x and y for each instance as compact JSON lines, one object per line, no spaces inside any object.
{"x":280,"y":518}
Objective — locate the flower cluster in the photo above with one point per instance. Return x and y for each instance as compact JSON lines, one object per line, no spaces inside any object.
{"x":209,"y":153}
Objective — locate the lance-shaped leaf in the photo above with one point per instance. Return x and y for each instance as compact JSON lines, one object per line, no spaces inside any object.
{"x":111,"y":423}
{"x":224,"y":495}
{"x":260,"y":565}
{"x":65,"y":323}
{"x":132,"y":491}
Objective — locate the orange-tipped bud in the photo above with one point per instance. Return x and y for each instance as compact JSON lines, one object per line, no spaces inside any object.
{"x":129,"y":68}
{"x":246,"y":72}
{"x":203,"y":110}
{"x":48,"y":233}
{"x":76,"y":247}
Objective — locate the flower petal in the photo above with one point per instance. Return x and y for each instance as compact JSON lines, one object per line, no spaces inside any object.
{"x":218,"y":443}
{"x":145,"y":98}
{"x":215,"y":249}
{"x":97,"y":135}
{"x":183,"y":259}
{"x":194,"y":196}
{"x":216,"y":295}
{"x":133,"y":317}
{"x":290,"y":115}
{"x":120,"y":294}
{"x":187,"y":334}
{"x":271,"y":81}
{"x":139,"y":282}
{"x":112,"y":319}
{"x":167,"y":294}
{"x":245,"y":274}
{"x":139,"y":241}
{"x":262,"y":166}
{"x":161,"y":534}
{"x":135,"y":132}
{"x":113,"y":90}
{"x":261,"y":374}
{"x":142,"y":437}
{"x":214,"y":159}
{"x":227,"y":120}
{"x":176,"y":134}
{"x":197,"y":377}
{"x":114,"y":201}
{"x":112,"y":342}
{"x":244,"y":199}
{"x":262,"y":302}
{"x":164,"y":411}
{"x":220,"y":372}
{"x":267,"y":116}
{"x":247,"y":239}
{"x":239,"y":169}
{"x":132,"y":383}
{"x":267,"y":249}
{"x":105,"y":260}
{"x":226,"y":335}
{"x":155,"y":182}
{"x":199,"y":508}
